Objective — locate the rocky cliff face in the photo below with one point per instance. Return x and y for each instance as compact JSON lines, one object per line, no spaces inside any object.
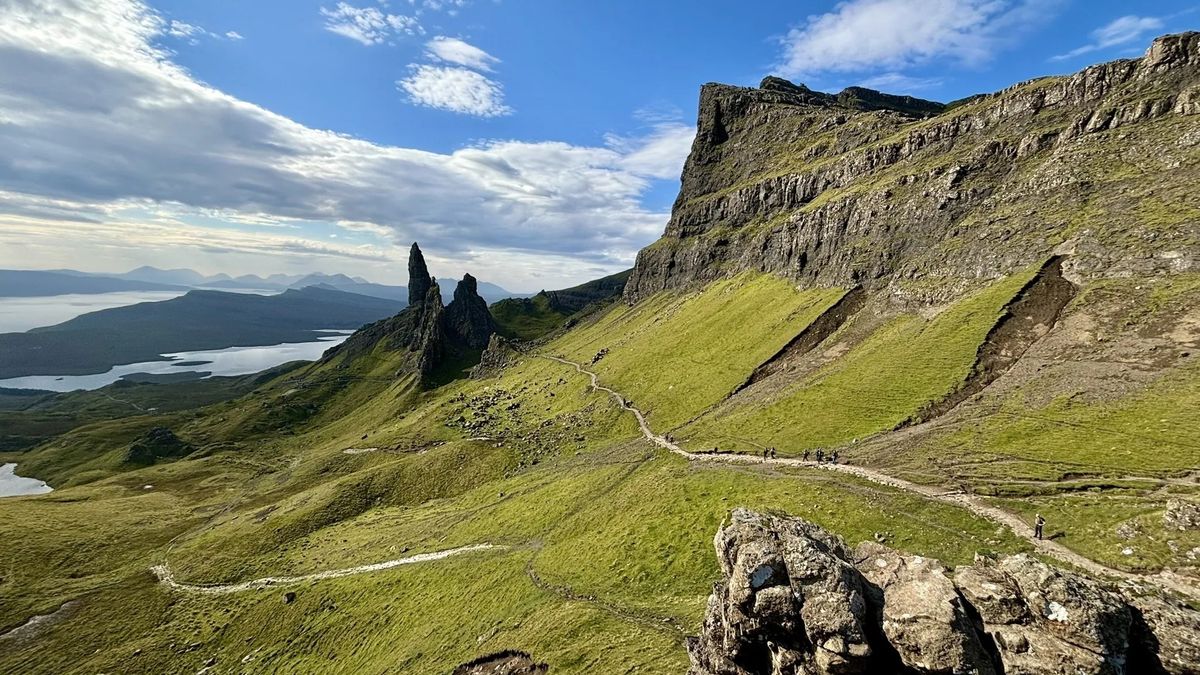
{"x":796,"y":599}
{"x":863,"y":188}
{"x":430,"y":332}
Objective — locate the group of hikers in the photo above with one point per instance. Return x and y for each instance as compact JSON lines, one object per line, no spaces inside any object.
{"x":821,"y":456}
{"x":769,"y":453}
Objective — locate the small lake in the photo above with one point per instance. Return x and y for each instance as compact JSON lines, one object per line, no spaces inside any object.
{"x":12,"y":485}
{"x":231,"y":361}
{"x":18,"y":315}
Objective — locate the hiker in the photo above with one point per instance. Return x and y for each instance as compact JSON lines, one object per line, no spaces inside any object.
{"x":772,"y":453}
{"x":834,"y":457}
{"x":806,"y":455}
{"x":765,"y":451}
{"x":1039,"y":523}
{"x":820,"y":455}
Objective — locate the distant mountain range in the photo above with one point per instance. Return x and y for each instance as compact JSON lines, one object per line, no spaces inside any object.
{"x":38,"y":283}
{"x":201,"y":319}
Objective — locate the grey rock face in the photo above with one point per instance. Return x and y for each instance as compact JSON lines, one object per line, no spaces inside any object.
{"x":498,"y":355}
{"x":862,"y":188}
{"x":794,"y":599}
{"x":468,"y":317}
{"x":419,"y":280}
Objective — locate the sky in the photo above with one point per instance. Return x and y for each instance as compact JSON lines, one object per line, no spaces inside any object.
{"x":533,"y":143}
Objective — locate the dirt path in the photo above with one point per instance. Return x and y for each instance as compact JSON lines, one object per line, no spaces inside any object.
{"x":163,"y":572}
{"x":972,"y":503}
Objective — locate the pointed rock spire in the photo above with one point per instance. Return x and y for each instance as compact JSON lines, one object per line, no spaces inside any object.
{"x":468,"y":317}
{"x":419,"y":280}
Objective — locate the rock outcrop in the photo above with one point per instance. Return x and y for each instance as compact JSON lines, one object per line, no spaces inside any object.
{"x":498,"y":355}
{"x":503,"y":663}
{"x":419,"y":281}
{"x":157,"y":443}
{"x":795,"y":599}
{"x":467,"y":316}
{"x":884,"y":192}
{"x":431,"y":333}
{"x":1182,"y":515}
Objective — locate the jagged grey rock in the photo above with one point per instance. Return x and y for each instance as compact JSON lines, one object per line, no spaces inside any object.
{"x":431,"y":332}
{"x":793,"y":599}
{"x":467,"y":316}
{"x":419,"y":280}
{"x":922,"y":614}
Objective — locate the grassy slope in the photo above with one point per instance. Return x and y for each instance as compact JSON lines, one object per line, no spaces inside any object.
{"x":879,"y":383}
{"x":676,"y":355}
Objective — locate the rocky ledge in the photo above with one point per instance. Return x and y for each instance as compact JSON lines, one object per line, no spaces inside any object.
{"x":795,"y":599}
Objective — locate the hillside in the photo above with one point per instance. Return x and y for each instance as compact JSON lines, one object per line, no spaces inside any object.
{"x":94,"y":342}
{"x":529,"y":318}
{"x":984,"y":312}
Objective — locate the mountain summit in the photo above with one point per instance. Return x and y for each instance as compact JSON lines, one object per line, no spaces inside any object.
{"x":885,"y":191}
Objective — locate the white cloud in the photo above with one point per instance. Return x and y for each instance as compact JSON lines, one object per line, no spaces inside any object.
{"x":899,"y":83}
{"x":180,"y":29}
{"x":1119,"y":31}
{"x":97,"y":117}
{"x":234,"y":35}
{"x":454,"y":50}
{"x":862,"y":35}
{"x":660,"y":154}
{"x":458,"y":90}
{"x":368,"y":25}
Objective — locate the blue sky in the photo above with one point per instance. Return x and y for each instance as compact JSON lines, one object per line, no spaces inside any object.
{"x":535,"y":144}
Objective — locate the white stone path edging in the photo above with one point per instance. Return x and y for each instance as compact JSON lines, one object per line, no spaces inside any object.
{"x":166,"y":577}
{"x":972,"y":503}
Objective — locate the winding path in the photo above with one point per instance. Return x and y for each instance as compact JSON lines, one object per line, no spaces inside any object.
{"x":972,"y":503}
{"x":166,"y":577}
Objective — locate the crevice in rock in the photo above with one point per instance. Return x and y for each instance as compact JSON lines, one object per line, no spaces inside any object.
{"x":812,"y":335}
{"x":884,"y":656}
{"x":1028,"y":317}
{"x":985,"y":638}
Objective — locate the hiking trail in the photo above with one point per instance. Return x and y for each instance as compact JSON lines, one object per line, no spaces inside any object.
{"x":972,"y":503}
{"x":166,"y":577}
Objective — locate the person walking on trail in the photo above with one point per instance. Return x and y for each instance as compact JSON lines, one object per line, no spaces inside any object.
{"x":772,"y":453}
{"x":1039,"y":524}
{"x":765,"y":451}
{"x":834,"y":457}
{"x":806,"y":455}
{"x":820,"y":455}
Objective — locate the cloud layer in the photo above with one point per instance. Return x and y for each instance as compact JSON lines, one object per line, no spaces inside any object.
{"x":1119,"y":31}
{"x":368,"y":25}
{"x":94,"y":115}
{"x":891,"y":35}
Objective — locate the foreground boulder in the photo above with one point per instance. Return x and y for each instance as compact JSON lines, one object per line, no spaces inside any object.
{"x":794,"y":599}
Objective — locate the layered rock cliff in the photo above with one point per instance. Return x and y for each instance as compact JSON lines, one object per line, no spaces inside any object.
{"x":431,"y":334}
{"x":863,"y":188}
{"x":794,"y":599}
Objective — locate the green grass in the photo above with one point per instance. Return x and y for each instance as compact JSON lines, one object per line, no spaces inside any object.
{"x":618,"y":532}
{"x":680,"y":354}
{"x":900,"y":367}
{"x":527,"y":318}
